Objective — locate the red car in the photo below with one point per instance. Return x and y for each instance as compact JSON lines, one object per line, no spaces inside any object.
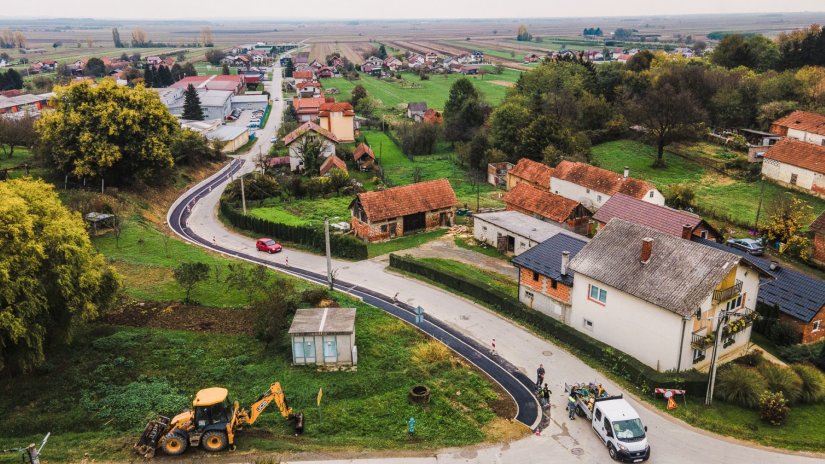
{"x":268,"y":245}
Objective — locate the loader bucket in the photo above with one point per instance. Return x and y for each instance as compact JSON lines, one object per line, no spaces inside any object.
{"x":154,"y":431}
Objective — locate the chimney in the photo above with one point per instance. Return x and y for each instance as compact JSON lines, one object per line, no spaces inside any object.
{"x":687,"y":231}
{"x":647,"y":249}
{"x":774,"y":265}
{"x":626,"y":172}
{"x":565,"y":260}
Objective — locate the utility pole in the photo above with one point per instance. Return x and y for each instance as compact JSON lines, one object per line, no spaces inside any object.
{"x":329,"y":257}
{"x":722,"y":316}
{"x":243,"y":197}
{"x":759,"y":208}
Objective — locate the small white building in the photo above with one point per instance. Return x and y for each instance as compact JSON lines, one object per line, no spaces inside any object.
{"x":324,"y":336}
{"x":593,"y":186}
{"x":512,"y":231}
{"x":250,"y":102}
{"x":796,"y":164}
{"x":801,"y":125}
{"x":656,"y":296}
{"x":232,"y":137}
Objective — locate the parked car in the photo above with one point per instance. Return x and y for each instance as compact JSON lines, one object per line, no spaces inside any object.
{"x":268,"y":245}
{"x":273,"y":139}
{"x":750,"y":245}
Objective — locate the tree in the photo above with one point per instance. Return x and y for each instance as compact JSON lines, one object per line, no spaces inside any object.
{"x":756,"y":52}
{"x":52,"y":277}
{"x":215,"y":56}
{"x":802,"y":47}
{"x":116,"y":38}
{"x":188,"y":275}
{"x":189,"y":70}
{"x":308,"y":150}
{"x":139,"y":38}
{"x":506,"y":122}
{"x":95,"y":68}
{"x":366,"y":107}
{"x":418,"y":138}
{"x":640,"y":61}
{"x":358,"y":93}
{"x":191,"y":148}
{"x":289,"y":69}
{"x":107,"y":131}
{"x":523,"y":35}
{"x":164,"y":77}
{"x":17,"y":132}
{"x":207,"y":39}
{"x":177,"y":72}
{"x":338,"y":180}
{"x":464,"y":111}
{"x":225,"y":70}
{"x":247,"y":279}
{"x":192,"y":109}
{"x":149,"y":77}
{"x":11,"y":80}
{"x":382,"y":52}
{"x":786,"y":220}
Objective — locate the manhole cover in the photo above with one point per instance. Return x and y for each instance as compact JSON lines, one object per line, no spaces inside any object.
{"x":577,"y":451}
{"x":465,"y":318}
{"x":547,"y":353}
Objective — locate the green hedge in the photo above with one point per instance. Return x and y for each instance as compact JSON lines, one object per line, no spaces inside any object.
{"x":341,"y":246}
{"x":611,"y":359}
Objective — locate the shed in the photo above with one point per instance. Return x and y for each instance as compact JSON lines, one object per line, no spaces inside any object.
{"x":512,"y":231}
{"x":324,"y":336}
{"x":233,"y":137}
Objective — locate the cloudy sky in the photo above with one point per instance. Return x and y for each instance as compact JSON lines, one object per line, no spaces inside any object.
{"x":377,"y":9}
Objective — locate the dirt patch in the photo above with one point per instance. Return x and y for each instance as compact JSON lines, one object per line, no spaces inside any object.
{"x":503,"y":83}
{"x":182,"y":317}
{"x":716,"y":179}
{"x":506,"y":430}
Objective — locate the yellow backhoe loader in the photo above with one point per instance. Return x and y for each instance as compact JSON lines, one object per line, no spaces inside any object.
{"x":211,"y":423}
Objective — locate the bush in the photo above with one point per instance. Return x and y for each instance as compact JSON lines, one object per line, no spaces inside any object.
{"x":418,"y":138}
{"x":257,"y":186}
{"x":752,"y":359}
{"x":801,"y":353}
{"x":680,"y":196}
{"x":739,"y":385}
{"x":314,"y":296}
{"x":773,"y":408}
{"x":813,"y":383}
{"x":132,"y":405}
{"x":784,"y":333}
{"x":782,"y":379}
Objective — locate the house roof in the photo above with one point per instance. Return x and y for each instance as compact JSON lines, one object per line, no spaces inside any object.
{"x":521,"y":224}
{"x":600,"y":180}
{"x":302,"y":74}
{"x":545,"y":204}
{"x":316,"y":321}
{"x":679,"y":275}
{"x":278,"y":161}
{"x":306,"y":127}
{"x":308,"y":105}
{"x":227,"y":133}
{"x":661,"y":218}
{"x":533,"y":171}
{"x":305,"y":84}
{"x":417,"y":107}
{"x":803,"y":121}
{"x":214,"y":82}
{"x":801,"y":154}
{"x":332,"y":162}
{"x":408,"y":199}
{"x":337,"y":107}
{"x":819,"y":223}
{"x":362,"y":150}
{"x":545,"y":258}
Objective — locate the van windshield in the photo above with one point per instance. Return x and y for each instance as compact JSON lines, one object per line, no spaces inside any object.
{"x":629,"y":430}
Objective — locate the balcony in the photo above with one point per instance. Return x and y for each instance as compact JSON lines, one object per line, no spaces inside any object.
{"x":702,"y":341}
{"x":727,"y":293}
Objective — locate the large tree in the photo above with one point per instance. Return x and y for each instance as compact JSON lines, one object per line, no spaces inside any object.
{"x":50,"y":275}
{"x":756,"y":52}
{"x":108,"y":131}
{"x":116,"y":38}
{"x":358,"y":93}
{"x":192,"y":109}
{"x":464,"y":111}
{"x":94,"y":68}
{"x":309,"y":150}
{"x":16,"y":132}
{"x":11,"y":80}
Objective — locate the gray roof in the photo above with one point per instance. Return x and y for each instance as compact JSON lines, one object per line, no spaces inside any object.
{"x":316,"y":321}
{"x":214,"y":97}
{"x":523,"y":225}
{"x":226,"y":133}
{"x":417,"y":107}
{"x":545,"y":258}
{"x":679,"y":276}
{"x":250,"y":98}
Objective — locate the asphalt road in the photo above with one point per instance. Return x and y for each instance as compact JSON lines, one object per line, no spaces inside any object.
{"x":463,"y":323}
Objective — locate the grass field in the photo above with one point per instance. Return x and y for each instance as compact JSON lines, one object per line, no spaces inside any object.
{"x":96,"y":396}
{"x":403,"y":243}
{"x":722,"y":197}
{"x":21,"y":156}
{"x":433,"y":91}
{"x":69,"y":53}
{"x":493,"y":280}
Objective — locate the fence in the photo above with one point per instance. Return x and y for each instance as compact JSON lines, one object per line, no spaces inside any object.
{"x":341,"y":246}
{"x":617,"y":362}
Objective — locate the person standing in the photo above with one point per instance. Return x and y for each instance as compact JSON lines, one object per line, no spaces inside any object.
{"x":545,"y":395}
{"x":571,"y":406}
{"x":539,"y":376}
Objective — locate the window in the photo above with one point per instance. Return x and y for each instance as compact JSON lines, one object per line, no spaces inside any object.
{"x":588,"y":324}
{"x":704,"y":234}
{"x":588,"y":190}
{"x":651,"y":194}
{"x":528,"y":294}
{"x":734,"y":303}
{"x":699,"y":313}
{"x":535,"y":276}
{"x":384,"y":228}
{"x":330,"y":348}
{"x":599,"y":295}
{"x":599,"y":198}
{"x":817,"y":326}
{"x":598,"y":414}
{"x":793,"y":179}
{"x":698,"y":355}
{"x":553,"y":283}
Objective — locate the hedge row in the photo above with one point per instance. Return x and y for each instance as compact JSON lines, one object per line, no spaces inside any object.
{"x":341,"y":246}
{"x":617,"y":362}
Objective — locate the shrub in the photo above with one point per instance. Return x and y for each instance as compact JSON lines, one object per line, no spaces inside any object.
{"x":783,"y":333}
{"x":801,"y":353}
{"x":813,"y":383}
{"x":752,"y":359}
{"x":739,"y":385}
{"x":782,"y":379}
{"x":773,"y":408}
{"x":680,"y":196}
{"x":314,"y":296}
{"x":132,"y":405}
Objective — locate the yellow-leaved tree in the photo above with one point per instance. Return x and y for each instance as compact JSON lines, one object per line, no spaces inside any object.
{"x":50,"y":275}
{"x":785,"y":222}
{"x":107,"y":131}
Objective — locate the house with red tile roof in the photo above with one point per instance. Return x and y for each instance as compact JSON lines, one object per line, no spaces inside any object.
{"x":530,"y":172}
{"x":308,"y":109}
{"x":801,"y":125}
{"x":547,"y":206}
{"x":668,"y":220}
{"x":294,"y":141}
{"x":592,"y":186}
{"x":399,"y":211}
{"x":307,"y":89}
{"x":303,"y":76}
{"x":233,"y":83}
{"x":338,"y":118}
{"x":796,"y":164}
{"x":364,"y":156}
{"x":333,"y":162}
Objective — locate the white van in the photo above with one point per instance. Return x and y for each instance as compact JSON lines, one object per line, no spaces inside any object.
{"x":620,"y":428}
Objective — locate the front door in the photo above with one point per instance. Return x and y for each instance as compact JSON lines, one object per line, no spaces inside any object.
{"x":393,"y":229}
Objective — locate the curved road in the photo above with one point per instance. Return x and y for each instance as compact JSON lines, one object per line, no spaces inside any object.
{"x":468,"y":329}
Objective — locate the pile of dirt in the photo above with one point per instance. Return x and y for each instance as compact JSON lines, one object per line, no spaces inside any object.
{"x":459,"y":231}
{"x":182,"y":317}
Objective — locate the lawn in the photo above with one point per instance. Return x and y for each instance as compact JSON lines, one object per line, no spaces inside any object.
{"x":433,"y":91}
{"x":21,"y":155}
{"x":492,"y":279}
{"x":307,"y":211}
{"x":96,"y":396}
{"x":724,"y":198}
{"x":403,"y":243}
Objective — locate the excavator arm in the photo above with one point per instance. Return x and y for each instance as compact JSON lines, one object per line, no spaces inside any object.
{"x":273,"y":394}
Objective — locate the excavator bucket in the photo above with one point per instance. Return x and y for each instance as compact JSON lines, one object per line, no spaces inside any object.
{"x":149,"y":439}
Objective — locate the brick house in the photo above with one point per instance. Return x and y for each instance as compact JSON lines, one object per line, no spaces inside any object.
{"x":801,"y":125}
{"x":398,"y":211}
{"x":797,"y":165}
{"x":593,"y":186}
{"x":668,"y":220}
{"x":547,"y":206}
{"x":364,"y":157}
{"x":530,"y":172}
{"x":545,"y":281}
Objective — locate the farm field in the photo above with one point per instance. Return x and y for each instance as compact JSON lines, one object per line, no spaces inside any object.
{"x":68,"y":54}
{"x":433,"y":91}
{"x":350,"y":50}
{"x":718,"y":196}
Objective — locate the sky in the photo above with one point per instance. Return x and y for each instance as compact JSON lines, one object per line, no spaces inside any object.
{"x":399,"y":9}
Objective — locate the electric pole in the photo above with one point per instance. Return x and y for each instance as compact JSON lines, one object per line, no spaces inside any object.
{"x":329,"y":257}
{"x":723,"y":315}
{"x":243,"y":197}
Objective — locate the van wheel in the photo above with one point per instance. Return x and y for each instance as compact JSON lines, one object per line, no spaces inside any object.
{"x":612,"y":452}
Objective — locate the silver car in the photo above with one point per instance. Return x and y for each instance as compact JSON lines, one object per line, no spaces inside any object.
{"x":750,"y":245}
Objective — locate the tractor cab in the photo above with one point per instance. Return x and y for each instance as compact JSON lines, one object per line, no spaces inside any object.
{"x":211,"y":406}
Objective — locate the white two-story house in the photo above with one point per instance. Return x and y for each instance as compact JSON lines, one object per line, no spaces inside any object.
{"x":295,"y":142}
{"x":592,"y":186}
{"x":656,"y":296}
